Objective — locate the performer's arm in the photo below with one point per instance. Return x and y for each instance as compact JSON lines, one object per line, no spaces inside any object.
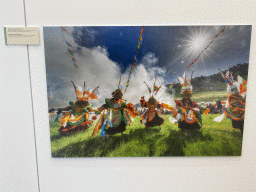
{"x":167,"y":106}
{"x":195,"y":108}
{"x":131,"y":109}
{"x":100,"y":109}
{"x":66,"y":108}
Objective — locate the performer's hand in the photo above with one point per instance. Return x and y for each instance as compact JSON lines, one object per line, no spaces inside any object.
{"x":131,"y":109}
{"x":94,"y":117}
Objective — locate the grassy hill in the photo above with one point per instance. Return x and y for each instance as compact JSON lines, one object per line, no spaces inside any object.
{"x":215,"y":82}
{"x":208,"y":96}
{"x":214,"y":139}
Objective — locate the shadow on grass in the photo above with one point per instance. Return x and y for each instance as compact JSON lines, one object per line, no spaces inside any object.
{"x":147,"y":136}
{"x":177,"y":141}
{"x":97,"y":146}
{"x":81,"y":149}
{"x":56,"y":137}
{"x":59,"y":136}
{"x":237,"y":133}
{"x":230,"y":150}
{"x":218,"y":145}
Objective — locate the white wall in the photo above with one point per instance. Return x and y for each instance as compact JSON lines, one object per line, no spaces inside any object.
{"x":18,"y":168}
{"x":110,"y":174}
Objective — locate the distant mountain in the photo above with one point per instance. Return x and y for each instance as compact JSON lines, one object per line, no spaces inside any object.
{"x":215,"y":82}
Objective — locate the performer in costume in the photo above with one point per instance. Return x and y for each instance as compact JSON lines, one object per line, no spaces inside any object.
{"x":76,"y":116}
{"x":204,"y":108}
{"x":51,"y":111}
{"x":152,"y":116}
{"x":235,"y":105}
{"x":187,"y":114}
{"x":236,"y":110}
{"x":115,"y":115}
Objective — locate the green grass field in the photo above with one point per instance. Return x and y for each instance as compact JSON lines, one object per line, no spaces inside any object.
{"x":214,"y":139}
{"x":208,"y":96}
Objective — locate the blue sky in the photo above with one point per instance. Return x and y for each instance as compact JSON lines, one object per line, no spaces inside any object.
{"x":167,"y":43}
{"x":105,"y":53}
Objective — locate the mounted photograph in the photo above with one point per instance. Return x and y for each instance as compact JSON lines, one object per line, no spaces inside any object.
{"x":147,"y":91}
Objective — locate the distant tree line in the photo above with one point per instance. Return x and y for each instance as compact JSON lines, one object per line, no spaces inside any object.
{"x":215,"y":82}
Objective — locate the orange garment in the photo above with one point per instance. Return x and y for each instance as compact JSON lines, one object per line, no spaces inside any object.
{"x":167,"y":106}
{"x":206,"y":111}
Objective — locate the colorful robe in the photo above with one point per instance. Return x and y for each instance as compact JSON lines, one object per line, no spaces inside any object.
{"x":76,"y":120}
{"x":152,"y":116}
{"x":236,"y":110}
{"x":116,"y":115}
{"x":188,"y":115}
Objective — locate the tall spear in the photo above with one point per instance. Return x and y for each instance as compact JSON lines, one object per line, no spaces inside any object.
{"x":149,"y":90}
{"x":160,"y":87}
{"x":166,"y":90}
{"x":134,"y":60}
{"x":207,"y":46}
{"x":69,"y":48}
{"x":221,"y":73}
{"x":177,"y":77}
{"x":185,"y":71}
{"x":154,"y":85}
{"x":119,"y":85}
{"x":191,"y":75}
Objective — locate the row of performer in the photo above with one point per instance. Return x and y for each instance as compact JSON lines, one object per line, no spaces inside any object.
{"x":115,"y":115}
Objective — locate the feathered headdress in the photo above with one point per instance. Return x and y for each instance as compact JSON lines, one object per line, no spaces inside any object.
{"x":83,"y":94}
{"x":234,"y":86}
{"x":155,"y":88}
{"x":119,"y":90}
{"x":241,"y":85}
{"x":228,"y":78}
{"x":186,"y":87}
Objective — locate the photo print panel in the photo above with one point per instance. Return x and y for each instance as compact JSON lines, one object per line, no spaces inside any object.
{"x":147,"y":91}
